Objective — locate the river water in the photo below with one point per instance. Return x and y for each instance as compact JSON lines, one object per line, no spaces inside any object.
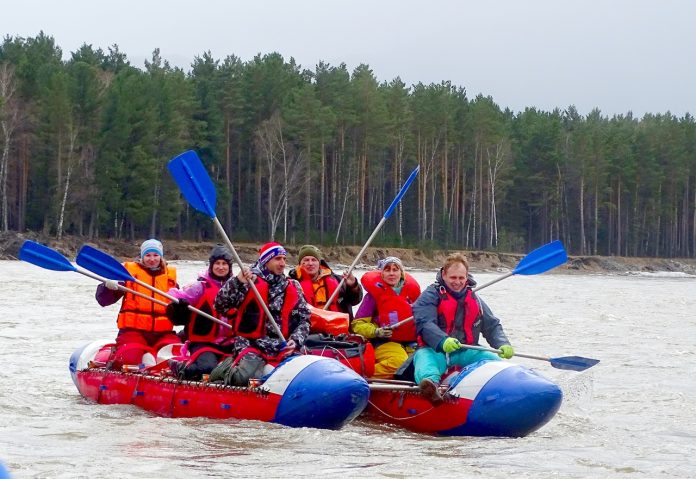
{"x":631,"y":416}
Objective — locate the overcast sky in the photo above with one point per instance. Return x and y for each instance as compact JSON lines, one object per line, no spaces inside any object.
{"x":617,"y":55}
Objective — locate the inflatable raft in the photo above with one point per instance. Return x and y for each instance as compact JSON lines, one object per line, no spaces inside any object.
{"x":487,"y":398}
{"x":303,"y":391}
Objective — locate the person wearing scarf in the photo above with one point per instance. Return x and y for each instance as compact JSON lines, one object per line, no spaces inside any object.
{"x":255,"y":352}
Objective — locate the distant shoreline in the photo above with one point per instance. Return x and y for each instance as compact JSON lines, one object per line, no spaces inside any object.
{"x":480,"y":261}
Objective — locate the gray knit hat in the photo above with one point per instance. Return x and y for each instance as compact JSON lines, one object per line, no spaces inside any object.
{"x":381,"y":264}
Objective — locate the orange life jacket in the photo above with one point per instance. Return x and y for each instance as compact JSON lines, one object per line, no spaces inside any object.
{"x":249,"y":320}
{"x":392,"y":307}
{"x":309,"y":288}
{"x":447,"y":310}
{"x":140,"y":313}
{"x":200,"y":329}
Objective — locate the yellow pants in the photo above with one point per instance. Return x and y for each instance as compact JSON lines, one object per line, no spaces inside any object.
{"x":389,"y":357}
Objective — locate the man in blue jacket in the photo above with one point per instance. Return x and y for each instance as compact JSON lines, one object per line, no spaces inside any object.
{"x":449,"y":315}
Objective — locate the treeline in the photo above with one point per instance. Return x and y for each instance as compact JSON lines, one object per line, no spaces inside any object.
{"x":317,"y":155}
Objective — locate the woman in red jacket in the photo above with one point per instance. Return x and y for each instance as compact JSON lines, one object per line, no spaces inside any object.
{"x":390,"y":293}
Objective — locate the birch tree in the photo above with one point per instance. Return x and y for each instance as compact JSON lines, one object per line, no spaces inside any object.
{"x":9,"y":116}
{"x":283,"y":173}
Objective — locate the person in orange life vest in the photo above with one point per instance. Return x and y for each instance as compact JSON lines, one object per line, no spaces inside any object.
{"x":141,"y":321}
{"x":319,"y":282}
{"x":207,"y":340}
{"x":449,"y":313}
{"x":256,"y":340}
{"x":390,"y":293}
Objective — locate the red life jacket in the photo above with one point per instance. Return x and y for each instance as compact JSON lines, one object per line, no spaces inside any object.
{"x":140,"y":313}
{"x":327,"y":281}
{"x":249,"y":320}
{"x":447,"y":310}
{"x":388,"y":302}
{"x":202,"y":329}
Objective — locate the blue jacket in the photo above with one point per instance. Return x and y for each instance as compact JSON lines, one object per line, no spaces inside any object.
{"x":431,"y":328}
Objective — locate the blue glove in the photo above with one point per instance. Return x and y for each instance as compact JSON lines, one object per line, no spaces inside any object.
{"x":450,"y":345}
{"x":506,"y":351}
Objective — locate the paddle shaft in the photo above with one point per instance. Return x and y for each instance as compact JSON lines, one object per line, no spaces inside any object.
{"x":400,"y":323}
{"x":355,"y":262}
{"x":409,"y":319}
{"x":260,"y":300}
{"x":506,"y":275}
{"x":544,"y":258}
{"x":89,"y":274}
{"x":391,"y":381}
{"x":397,"y":387}
{"x":540,"y":260}
{"x":393,"y":387}
{"x":574,"y":363}
{"x":198,"y":189}
{"x":497,"y":351}
{"x":176,"y":300}
{"x":404,"y":188}
{"x":47,"y":258}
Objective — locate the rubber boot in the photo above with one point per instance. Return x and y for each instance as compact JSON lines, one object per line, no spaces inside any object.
{"x":429,"y":390}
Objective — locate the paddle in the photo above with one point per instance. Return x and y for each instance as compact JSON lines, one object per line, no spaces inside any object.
{"x":394,"y":387}
{"x":47,"y":258}
{"x":541,"y":259}
{"x":386,"y":215}
{"x":198,"y":189}
{"x":109,"y":267}
{"x":391,"y":381}
{"x":538,"y":261}
{"x":572,"y":363}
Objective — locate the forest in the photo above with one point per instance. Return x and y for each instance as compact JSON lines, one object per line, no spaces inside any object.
{"x":317,"y":155}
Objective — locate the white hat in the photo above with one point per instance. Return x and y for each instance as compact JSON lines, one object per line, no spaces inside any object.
{"x":151,"y":246}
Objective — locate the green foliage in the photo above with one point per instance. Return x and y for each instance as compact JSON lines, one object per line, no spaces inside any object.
{"x":490,"y":178}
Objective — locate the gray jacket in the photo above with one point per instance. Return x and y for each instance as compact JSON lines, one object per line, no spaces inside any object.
{"x":431,"y":326}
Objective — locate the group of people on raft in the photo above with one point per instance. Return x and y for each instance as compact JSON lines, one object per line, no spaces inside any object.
{"x":414,"y":334}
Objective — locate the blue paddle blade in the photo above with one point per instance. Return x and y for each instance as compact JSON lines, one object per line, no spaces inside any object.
{"x":401,"y":193}
{"x":573,"y":363}
{"x":44,"y":257}
{"x":194,"y":182}
{"x":102,"y":264}
{"x":542,"y":259}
